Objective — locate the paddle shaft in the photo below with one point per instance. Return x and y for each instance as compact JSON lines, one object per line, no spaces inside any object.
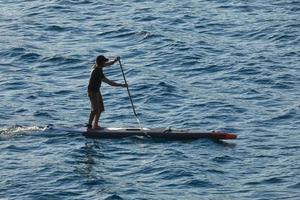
{"x":135,"y":114}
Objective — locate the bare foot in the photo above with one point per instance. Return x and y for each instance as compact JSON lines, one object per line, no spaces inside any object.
{"x":96,"y":127}
{"x":88,"y":127}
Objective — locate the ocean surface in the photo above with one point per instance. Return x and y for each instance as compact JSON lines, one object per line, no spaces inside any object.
{"x":205,"y":65}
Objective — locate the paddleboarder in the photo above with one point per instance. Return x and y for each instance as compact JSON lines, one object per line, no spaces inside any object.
{"x":96,"y":78}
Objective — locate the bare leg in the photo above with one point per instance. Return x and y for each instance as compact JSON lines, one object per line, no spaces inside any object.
{"x":97,"y":117}
{"x":92,"y":116}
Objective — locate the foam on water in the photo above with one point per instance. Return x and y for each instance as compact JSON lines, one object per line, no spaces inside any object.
{"x":17,"y":130}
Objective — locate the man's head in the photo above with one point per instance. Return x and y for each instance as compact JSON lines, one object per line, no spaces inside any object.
{"x":100,"y":60}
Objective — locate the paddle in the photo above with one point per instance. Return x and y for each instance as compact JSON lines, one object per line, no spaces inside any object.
{"x":135,"y":114}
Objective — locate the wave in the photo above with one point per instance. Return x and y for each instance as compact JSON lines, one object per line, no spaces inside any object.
{"x":10,"y":132}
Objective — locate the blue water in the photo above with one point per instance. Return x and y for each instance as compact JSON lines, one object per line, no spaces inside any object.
{"x":208,"y":65}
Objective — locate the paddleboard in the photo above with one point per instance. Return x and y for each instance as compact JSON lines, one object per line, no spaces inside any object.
{"x":161,"y":133}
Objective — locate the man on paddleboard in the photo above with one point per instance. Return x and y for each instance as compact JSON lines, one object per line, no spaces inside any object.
{"x":96,"y":78}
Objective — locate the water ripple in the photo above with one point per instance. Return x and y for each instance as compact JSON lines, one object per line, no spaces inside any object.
{"x":209,"y":65}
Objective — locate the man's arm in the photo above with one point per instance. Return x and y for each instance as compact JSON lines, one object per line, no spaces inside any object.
{"x":111,"y":62}
{"x":112,"y":83}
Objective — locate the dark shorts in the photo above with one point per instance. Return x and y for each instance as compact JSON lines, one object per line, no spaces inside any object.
{"x":96,"y":102}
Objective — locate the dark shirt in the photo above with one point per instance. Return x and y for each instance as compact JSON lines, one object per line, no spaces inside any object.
{"x":95,"y":80}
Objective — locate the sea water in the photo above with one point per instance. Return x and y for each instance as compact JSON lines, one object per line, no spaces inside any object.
{"x":205,"y":65}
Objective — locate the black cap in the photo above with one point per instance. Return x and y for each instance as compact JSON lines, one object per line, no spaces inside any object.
{"x":101,"y":59}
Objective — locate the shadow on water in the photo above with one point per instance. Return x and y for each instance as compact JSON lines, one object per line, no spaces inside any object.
{"x":187,"y":141}
{"x":225,"y":143}
{"x":101,"y":165}
{"x":92,"y":166}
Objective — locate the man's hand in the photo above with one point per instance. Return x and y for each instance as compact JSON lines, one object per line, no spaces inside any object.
{"x":124,"y":85}
{"x":117,"y":59}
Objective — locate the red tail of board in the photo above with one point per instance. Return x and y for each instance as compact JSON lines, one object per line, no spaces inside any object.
{"x":225,"y":136}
